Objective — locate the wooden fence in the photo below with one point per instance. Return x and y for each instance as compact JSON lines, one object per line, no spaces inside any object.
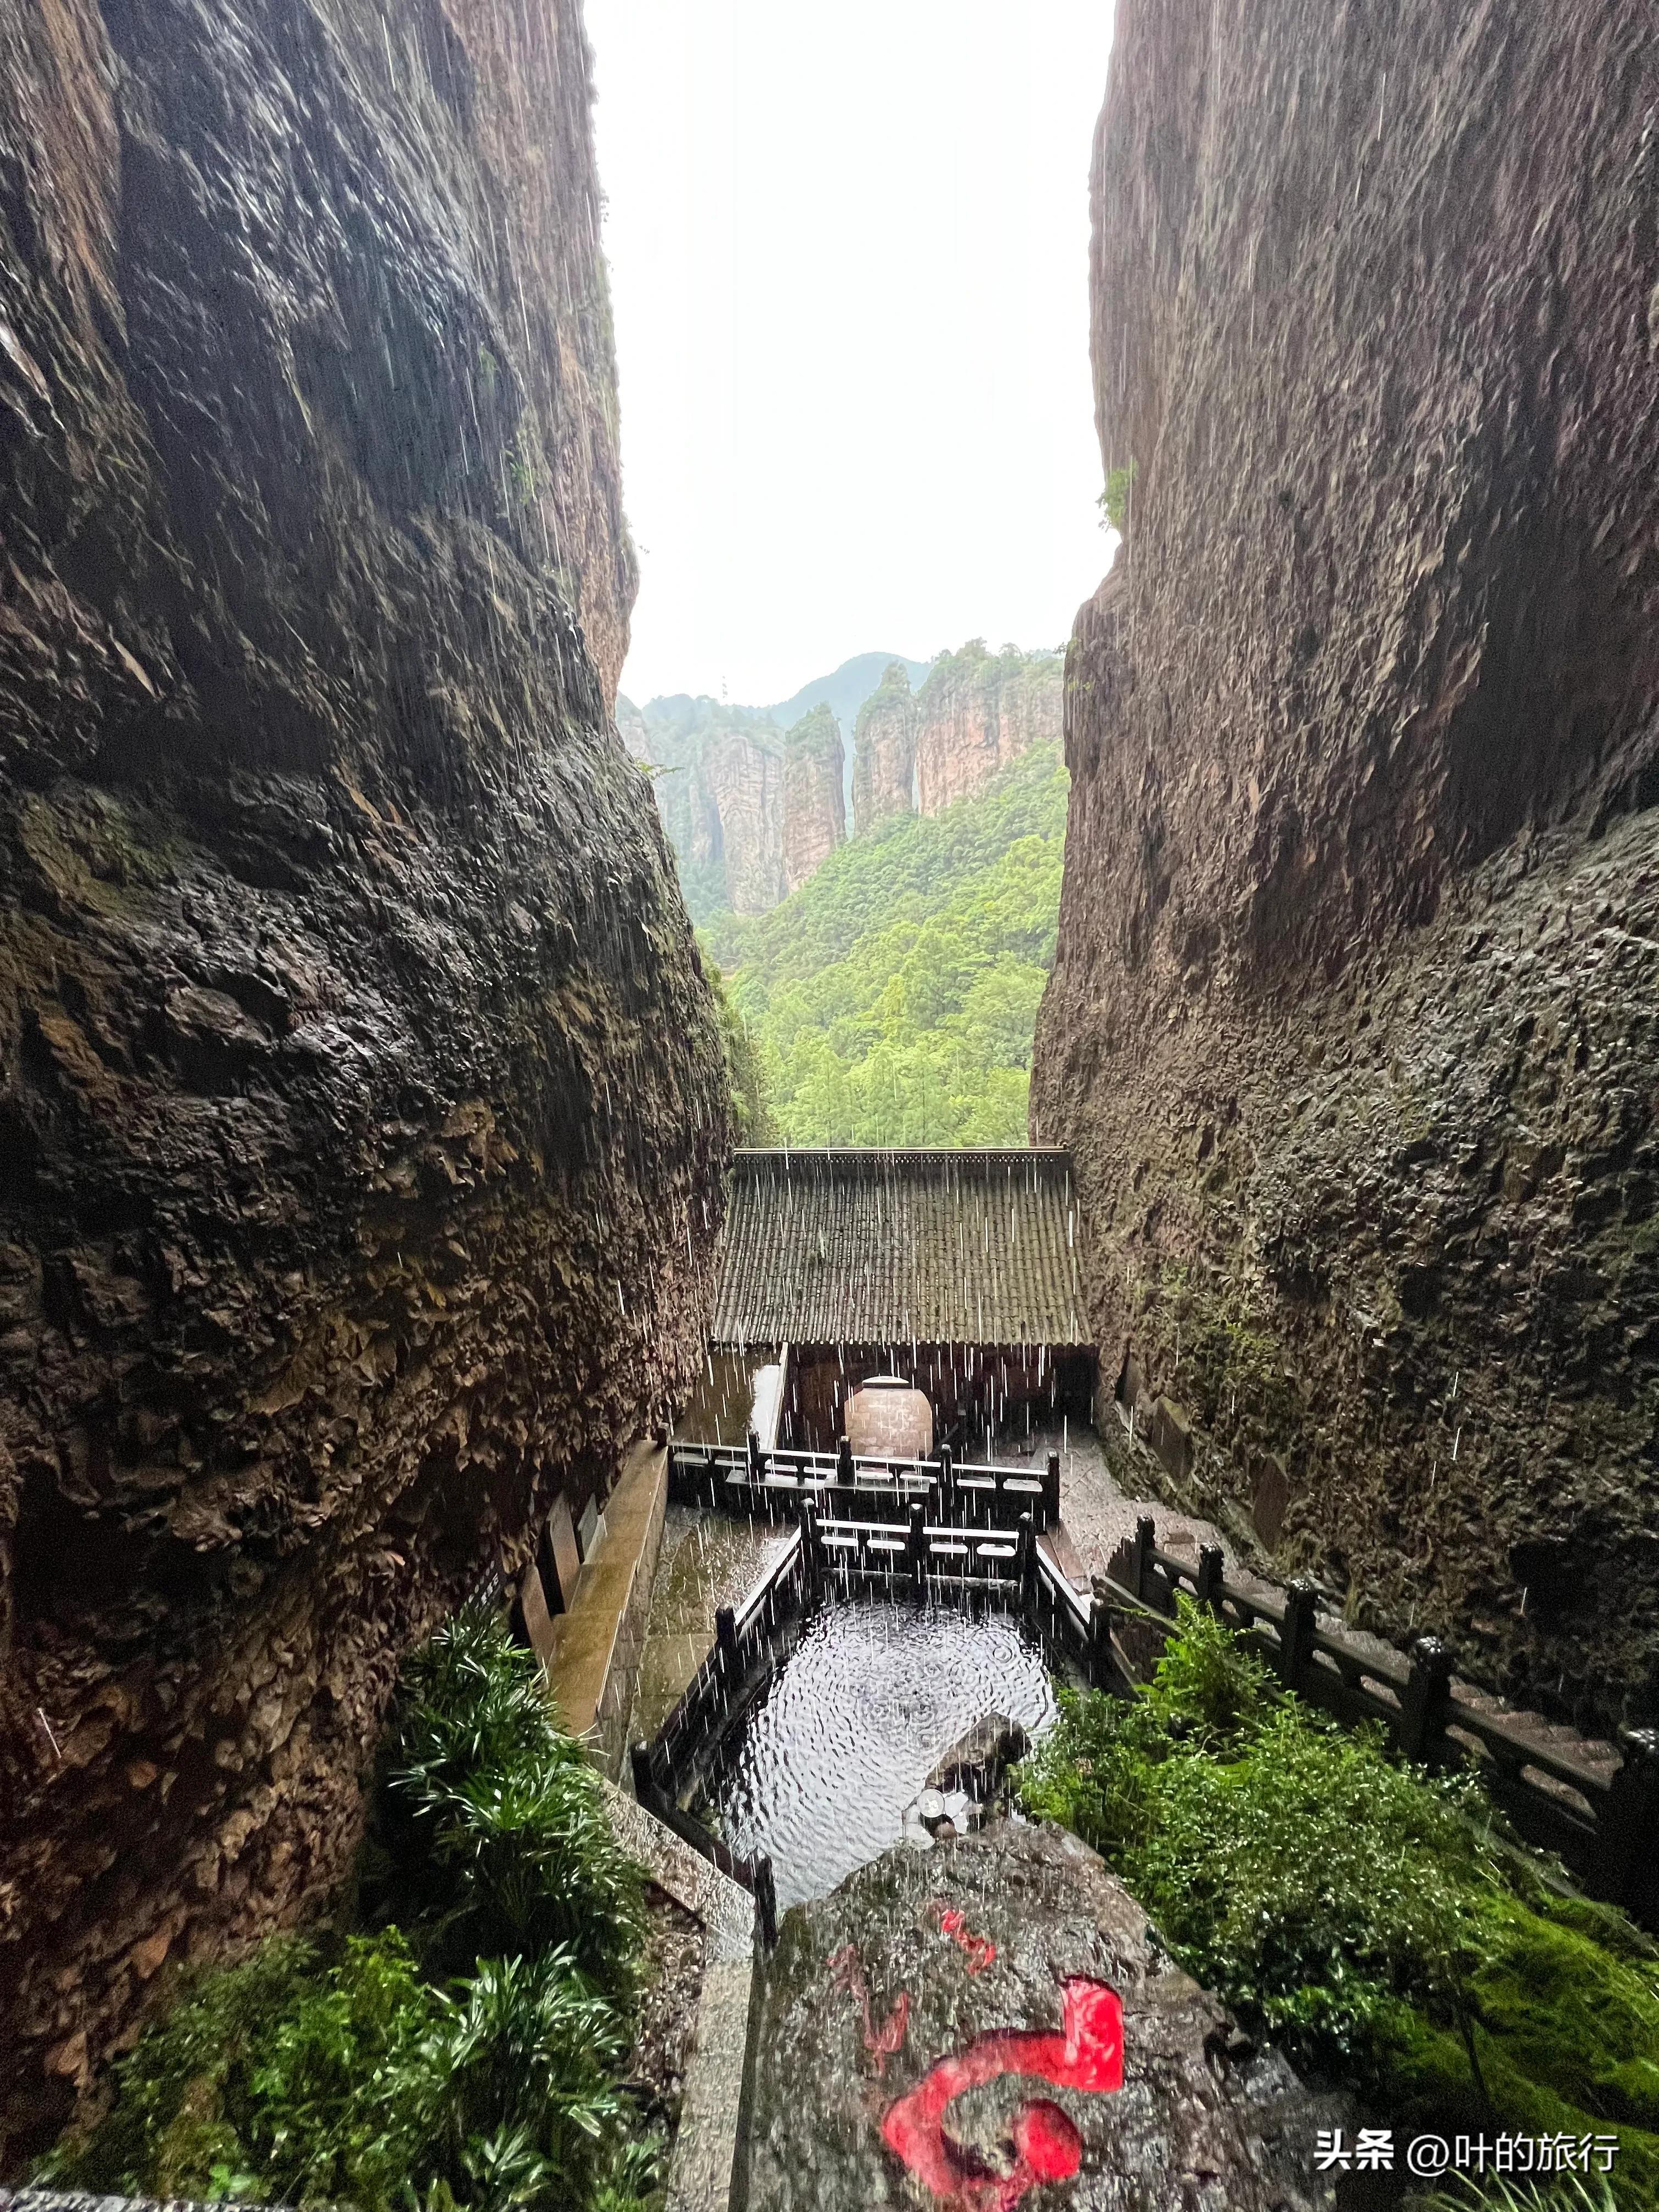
{"x":750,"y":1640}
{"x":913,"y":1558}
{"x":768,"y":1485}
{"x":1602,"y":1826}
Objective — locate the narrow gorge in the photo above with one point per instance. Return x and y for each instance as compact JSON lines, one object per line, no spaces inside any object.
{"x":895,"y":1451}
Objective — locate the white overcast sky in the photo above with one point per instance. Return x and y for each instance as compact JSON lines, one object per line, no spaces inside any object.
{"x":848,"y":247}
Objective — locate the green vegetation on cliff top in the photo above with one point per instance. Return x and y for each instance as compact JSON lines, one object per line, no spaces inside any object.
{"x":891,"y":999}
{"x":895,"y":684}
{"x":817,"y":731}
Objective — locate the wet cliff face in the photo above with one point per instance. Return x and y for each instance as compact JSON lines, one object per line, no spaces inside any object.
{"x":360,"y":1107}
{"x":743,"y":775}
{"x":975,"y":713}
{"x":884,"y":750}
{"x":1352,"y":1019}
{"x":719,"y":776}
{"x":814,"y":805}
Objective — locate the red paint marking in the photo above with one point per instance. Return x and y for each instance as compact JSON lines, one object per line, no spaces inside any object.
{"x":979,"y":1948}
{"x":1087,"y":2054}
{"x":846,"y":1974}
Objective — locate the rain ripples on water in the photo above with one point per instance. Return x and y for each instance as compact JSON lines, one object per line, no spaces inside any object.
{"x":869,"y":1701}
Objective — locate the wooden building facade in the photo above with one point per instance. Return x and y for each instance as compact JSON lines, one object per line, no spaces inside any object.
{"x":957,"y":1271}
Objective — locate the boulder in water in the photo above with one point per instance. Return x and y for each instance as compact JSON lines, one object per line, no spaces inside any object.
{"x":976,"y":1762}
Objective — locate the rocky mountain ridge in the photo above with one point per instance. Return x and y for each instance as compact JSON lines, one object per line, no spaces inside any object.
{"x":747,"y":830}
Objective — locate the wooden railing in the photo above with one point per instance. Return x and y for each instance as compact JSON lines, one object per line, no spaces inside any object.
{"x":750,"y":1640}
{"x":1602,"y":1826}
{"x":743,"y":1478}
{"x":753,"y":1874}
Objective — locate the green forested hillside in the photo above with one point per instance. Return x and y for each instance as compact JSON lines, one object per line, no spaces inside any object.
{"x":891,"y":1000}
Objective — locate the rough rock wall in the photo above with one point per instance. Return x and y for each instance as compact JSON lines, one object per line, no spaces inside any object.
{"x":361,"y":1100}
{"x":814,"y":801}
{"x":1352,"y":1023}
{"x":976,"y":711}
{"x":744,"y":775}
{"x":718,"y":775}
{"x":884,"y":750}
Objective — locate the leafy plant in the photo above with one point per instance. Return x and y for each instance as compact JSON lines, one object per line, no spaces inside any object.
{"x":751,"y":1111}
{"x":1361,"y":1912}
{"x":493,"y":1825}
{"x":525,"y":2056}
{"x":299,"y":2076}
{"x":1114,"y":500}
{"x":347,"y":2070}
{"x":1562,"y":2192}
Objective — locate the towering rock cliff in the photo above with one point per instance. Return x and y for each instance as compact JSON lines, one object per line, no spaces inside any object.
{"x":360,"y":1103}
{"x":718,"y":773}
{"x":976,"y":711}
{"x":884,"y":750}
{"x":751,"y":814}
{"x":814,"y":807}
{"x":1352,"y":1021}
{"x":743,"y":775}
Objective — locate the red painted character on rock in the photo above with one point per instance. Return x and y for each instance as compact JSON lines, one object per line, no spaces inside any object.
{"x":1086,"y":2054}
{"x":846,"y":1972}
{"x":979,"y":1950}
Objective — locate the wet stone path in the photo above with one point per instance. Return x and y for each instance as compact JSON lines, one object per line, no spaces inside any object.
{"x":706,"y":1561}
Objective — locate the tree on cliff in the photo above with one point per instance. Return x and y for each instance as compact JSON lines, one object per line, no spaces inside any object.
{"x":751,"y":1113}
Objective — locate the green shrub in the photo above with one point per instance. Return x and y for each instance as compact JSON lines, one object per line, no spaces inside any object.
{"x":745,"y":1074}
{"x":284,"y":2076}
{"x":1114,"y":500}
{"x":494,"y":1827}
{"x":1363,"y":1914}
{"x":892,"y":997}
{"x":347,"y":2070}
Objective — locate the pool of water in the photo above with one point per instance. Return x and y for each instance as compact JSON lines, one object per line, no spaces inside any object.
{"x":863,"y":1707}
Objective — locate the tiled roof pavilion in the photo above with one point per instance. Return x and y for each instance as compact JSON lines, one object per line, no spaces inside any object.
{"x":886,"y":1247}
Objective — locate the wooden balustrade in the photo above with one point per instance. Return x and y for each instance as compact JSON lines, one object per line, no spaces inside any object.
{"x":1600,"y":1825}
{"x":743,"y":1478}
